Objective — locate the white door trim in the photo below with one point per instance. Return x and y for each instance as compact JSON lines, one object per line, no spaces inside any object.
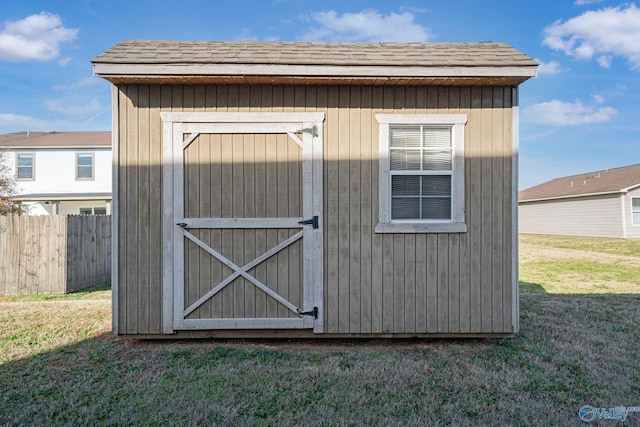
{"x":175,"y":126}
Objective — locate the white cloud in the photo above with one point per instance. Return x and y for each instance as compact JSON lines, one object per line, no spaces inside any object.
{"x":367,"y":25}
{"x":583,"y":2}
{"x":552,"y":67}
{"x":73,"y":109}
{"x":16,"y":121}
{"x":36,"y":38}
{"x":598,"y":98}
{"x":558,"y":113}
{"x":82,"y":83}
{"x":601,"y":34}
{"x":64,"y":61}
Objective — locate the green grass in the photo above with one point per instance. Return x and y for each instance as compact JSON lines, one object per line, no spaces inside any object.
{"x":624,"y":247}
{"x":60,"y":366}
{"x":568,"y":275}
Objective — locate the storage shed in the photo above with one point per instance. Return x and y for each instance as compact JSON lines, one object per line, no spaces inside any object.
{"x":604,"y":203}
{"x":307,"y":189}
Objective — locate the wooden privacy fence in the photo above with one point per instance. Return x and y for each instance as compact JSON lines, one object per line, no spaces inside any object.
{"x":54,"y":254}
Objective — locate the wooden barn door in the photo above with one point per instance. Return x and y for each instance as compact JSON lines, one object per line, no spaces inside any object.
{"x":242,"y":205}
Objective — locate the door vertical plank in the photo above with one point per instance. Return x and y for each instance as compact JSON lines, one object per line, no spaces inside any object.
{"x":204,"y":211}
{"x":272,"y":212}
{"x":260,"y":170}
{"x":238,"y":196}
{"x":227,"y":212}
{"x":216,"y":191}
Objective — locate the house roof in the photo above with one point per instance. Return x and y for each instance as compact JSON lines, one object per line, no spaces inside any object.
{"x":36,"y":197}
{"x":30,"y":140}
{"x":618,"y":180}
{"x":323,"y":62}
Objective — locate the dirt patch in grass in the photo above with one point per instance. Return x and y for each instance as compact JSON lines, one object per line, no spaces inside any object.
{"x":575,"y":265}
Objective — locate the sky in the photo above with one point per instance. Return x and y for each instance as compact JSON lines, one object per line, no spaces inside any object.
{"x":581,"y":114}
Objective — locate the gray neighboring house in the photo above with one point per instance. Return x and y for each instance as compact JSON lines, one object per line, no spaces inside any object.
{"x":605,"y":203}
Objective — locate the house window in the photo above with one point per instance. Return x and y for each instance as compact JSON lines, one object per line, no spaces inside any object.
{"x":25,"y":166}
{"x":421,"y":173}
{"x":84,"y":166}
{"x":635,"y":210}
{"x":93,"y":211}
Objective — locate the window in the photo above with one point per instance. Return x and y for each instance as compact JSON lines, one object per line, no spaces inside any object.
{"x":635,"y":210}
{"x":84,"y":166}
{"x":25,"y":167}
{"x":421,"y":173}
{"x":93,"y":211}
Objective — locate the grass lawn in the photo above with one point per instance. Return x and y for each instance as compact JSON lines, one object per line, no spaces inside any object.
{"x":579,"y":344}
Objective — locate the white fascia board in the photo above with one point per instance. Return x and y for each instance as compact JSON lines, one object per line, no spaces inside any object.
{"x":309,"y":70}
{"x":633,"y":187}
{"x":57,"y":147}
{"x":575,"y":196}
{"x":63,"y":196}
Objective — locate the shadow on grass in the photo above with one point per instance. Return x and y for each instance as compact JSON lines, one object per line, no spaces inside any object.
{"x":97,"y":288}
{"x":572,"y":350}
{"x":531,"y":288}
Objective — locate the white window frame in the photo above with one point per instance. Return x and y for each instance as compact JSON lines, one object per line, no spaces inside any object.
{"x":457,"y":222}
{"x":93,"y":165}
{"x":33,"y":165}
{"x":633,"y":223}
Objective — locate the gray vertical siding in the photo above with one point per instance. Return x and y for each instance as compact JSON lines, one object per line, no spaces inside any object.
{"x":373,"y":283}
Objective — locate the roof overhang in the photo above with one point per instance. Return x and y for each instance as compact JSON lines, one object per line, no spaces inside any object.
{"x":84,"y":147}
{"x":61,"y":197}
{"x":573,"y":196}
{"x":312,"y":74}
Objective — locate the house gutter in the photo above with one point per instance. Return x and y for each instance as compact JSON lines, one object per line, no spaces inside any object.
{"x":575,"y":196}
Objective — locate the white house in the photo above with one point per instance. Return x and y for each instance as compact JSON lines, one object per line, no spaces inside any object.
{"x":61,"y":172}
{"x":604,"y":203}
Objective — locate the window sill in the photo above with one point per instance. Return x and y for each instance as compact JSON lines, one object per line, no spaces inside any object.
{"x":414,"y":227}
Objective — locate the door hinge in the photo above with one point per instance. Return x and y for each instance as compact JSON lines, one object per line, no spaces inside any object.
{"x":312,"y":130}
{"x":182,"y":224}
{"x":313,"y":222}
{"x":313,"y":313}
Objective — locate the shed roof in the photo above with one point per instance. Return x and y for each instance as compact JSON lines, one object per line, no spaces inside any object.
{"x":32,"y":140}
{"x":330,"y":62}
{"x":606,"y":181}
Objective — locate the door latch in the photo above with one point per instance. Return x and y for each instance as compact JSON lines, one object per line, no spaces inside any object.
{"x":313,"y":313}
{"x":182,"y":224}
{"x":313,"y":222}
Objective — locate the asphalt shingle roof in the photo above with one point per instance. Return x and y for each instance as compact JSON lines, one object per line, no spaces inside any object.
{"x":55,"y":139}
{"x":315,"y":53}
{"x":604,"y":181}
